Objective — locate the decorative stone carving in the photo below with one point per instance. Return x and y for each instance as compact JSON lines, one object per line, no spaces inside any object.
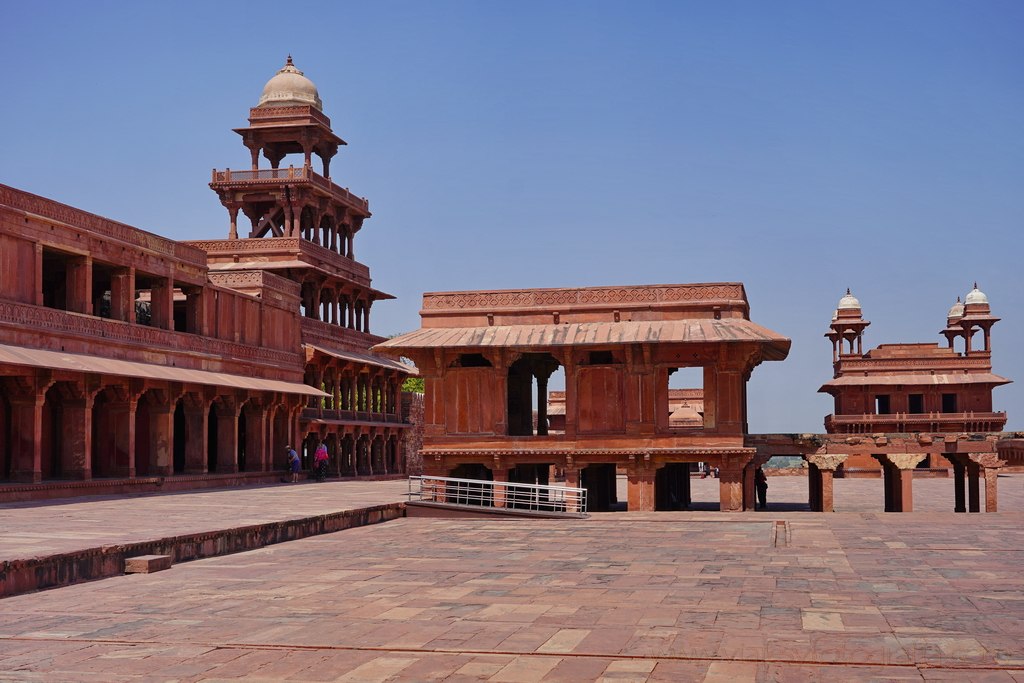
{"x":826,"y":462}
{"x":905,"y":461}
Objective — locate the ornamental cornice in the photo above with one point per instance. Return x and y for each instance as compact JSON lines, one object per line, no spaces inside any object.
{"x":83,"y":220}
{"x":545,"y":298}
{"x":53,"y":320}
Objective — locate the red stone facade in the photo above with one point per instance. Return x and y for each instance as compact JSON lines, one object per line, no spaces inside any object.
{"x":486,"y":358}
{"x":913,"y":388}
{"x":126,"y":356}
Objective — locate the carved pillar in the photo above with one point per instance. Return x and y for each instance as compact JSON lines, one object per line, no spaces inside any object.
{"x":161,"y":432}
{"x":959,"y":486}
{"x":233,"y":230}
{"x":730,"y":486}
{"x":640,"y":482}
{"x":826,"y":466}
{"x":122,"y":295}
{"x":973,"y":491}
{"x":197,"y":409}
{"x":123,"y":414}
{"x":76,"y":441}
{"x":902,"y":473}
{"x":255,"y":434}
{"x":989,"y":464}
{"x":749,"y":497}
{"x":27,"y":429}
{"x":195,"y":311}
{"x":227,"y":434}
{"x":162,"y":304}
{"x":572,"y":480}
{"x":79,"y":285}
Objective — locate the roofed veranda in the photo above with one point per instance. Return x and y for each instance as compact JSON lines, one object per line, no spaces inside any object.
{"x":132,"y":362}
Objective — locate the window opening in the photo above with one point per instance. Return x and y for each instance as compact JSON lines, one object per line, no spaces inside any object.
{"x":685,"y":398}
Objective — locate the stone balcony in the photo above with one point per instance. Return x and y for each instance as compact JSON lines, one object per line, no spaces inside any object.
{"x":233,"y":180}
{"x":902,"y":423}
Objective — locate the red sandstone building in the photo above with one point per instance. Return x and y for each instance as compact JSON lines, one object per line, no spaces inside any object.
{"x":907,"y":409}
{"x":129,"y":360}
{"x":486,"y":358}
{"x":913,"y":388}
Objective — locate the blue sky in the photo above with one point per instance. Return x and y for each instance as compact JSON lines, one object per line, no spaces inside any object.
{"x":798,"y":147}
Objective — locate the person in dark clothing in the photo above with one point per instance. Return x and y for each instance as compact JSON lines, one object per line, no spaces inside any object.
{"x":761,"y":485}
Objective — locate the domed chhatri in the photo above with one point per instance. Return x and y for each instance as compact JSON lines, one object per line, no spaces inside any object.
{"x":848,"y":302}
{"x":956,"y":311}
{"x":290,"y":87}
{"x":976,"y":296}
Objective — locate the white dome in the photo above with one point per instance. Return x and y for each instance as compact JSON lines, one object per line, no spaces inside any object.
{"x":848,"y":302}
{"x":957,"y":311}
{"x":289,"y":87}
{"x":976,"y":296}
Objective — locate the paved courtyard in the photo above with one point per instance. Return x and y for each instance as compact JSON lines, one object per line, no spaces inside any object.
{"x":773,"y":595}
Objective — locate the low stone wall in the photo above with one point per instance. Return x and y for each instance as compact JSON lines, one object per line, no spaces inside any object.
{"x":22,"y":576}
{"x":50,"y":490}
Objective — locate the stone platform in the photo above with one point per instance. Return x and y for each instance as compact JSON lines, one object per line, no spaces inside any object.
{"x":61,"y":542}
{"x":690,"y":596}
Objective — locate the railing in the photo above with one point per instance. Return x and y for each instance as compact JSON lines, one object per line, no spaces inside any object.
{"x":566,"y":500}
{"x":349,"y":415}
{"x":930,"y":422}
{"x":303,"y":173}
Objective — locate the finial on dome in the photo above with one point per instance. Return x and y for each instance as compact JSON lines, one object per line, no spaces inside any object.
{"x":289,"y":61}
{"x":848,"y":290}
{"x":975,"y":284}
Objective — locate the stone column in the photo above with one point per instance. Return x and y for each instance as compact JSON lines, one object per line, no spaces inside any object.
{"x":197,"y":411}
{"x":959,"y":486}
{"x":813,"y":487}
{"x":572,"y":480}
{"x":542,"y":405}
{"x":255,"y":433}
{"x":902,"y":470}
{"x":749,"y":498}
{"x":989,"y":463}
{"x":227,"y":435}
{"x":27,"y":435}
{"x":76,"y":451}
{"x":161,"y":433}
{"x":973,"y":492}
{"x":161,"y":304}
{"x":122,"y":295}
{"x":500,"y":478}
{"x":826,"y":466}
{"x":123,"y":413}
{"x":640,"y":482}
{"x":730,"y":482}
{"x":79,"y":285}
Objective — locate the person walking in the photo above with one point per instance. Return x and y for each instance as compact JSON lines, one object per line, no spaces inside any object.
{"x":761,"y":484}
{"x":294,"y":463}
{"x":320,"y":459}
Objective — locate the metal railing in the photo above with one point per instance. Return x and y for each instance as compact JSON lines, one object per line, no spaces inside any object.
{"x":499,"y":494}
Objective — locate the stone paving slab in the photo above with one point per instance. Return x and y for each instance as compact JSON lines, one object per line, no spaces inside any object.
{"x":34,"y":529}
{"x":618,"y":597}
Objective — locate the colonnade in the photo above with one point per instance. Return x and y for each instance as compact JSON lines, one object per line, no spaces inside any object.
{"x":90,"y":426}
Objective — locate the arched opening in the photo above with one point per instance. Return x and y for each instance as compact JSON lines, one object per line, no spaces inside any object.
{"x":528,"y":380}
{"x":362,"y":457}
{"x":211,"y":439}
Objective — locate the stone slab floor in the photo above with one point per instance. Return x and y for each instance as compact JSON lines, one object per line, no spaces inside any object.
{"x":931,"y":596}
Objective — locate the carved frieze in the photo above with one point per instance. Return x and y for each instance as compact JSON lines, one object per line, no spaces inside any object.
{"x":697,"y":293}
